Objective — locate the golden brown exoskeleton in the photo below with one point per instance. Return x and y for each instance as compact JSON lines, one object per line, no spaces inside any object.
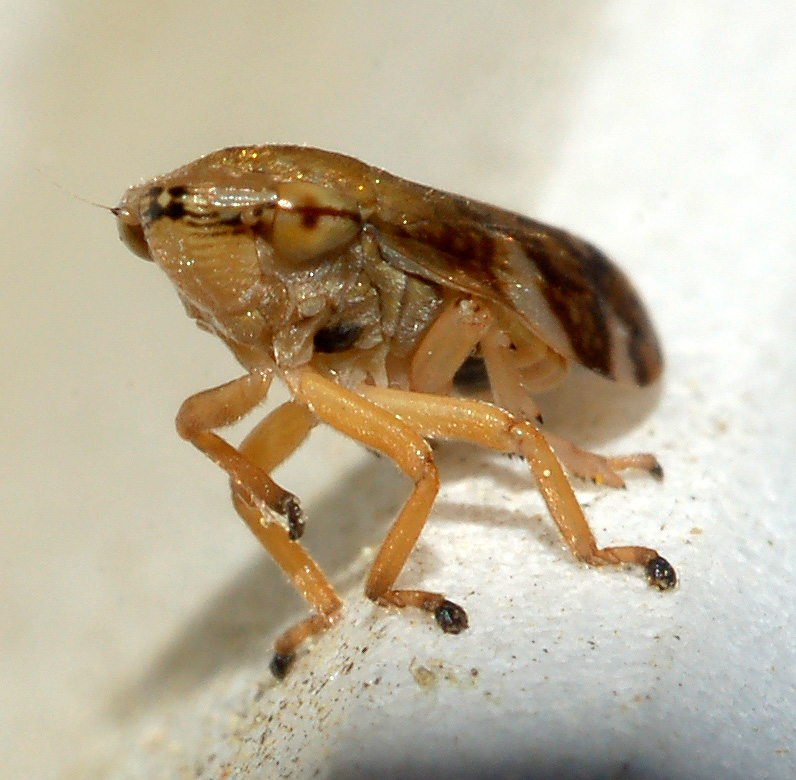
{"x":373,"y":298}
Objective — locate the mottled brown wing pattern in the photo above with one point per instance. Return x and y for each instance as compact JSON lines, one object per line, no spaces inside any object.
{"x":586,"y":291}
{"x":604,"y":322}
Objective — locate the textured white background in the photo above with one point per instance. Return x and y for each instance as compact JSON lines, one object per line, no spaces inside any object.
{"x":136,"y":612}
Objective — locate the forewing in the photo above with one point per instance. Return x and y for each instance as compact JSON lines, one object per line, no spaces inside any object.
{"x":564,"y":290}
{"x":605,"y":322}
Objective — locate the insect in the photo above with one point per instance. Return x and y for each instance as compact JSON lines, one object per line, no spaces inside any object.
{"x":377,"y":300}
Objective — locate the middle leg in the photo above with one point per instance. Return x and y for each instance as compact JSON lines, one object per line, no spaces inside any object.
{"x":377,"y":428}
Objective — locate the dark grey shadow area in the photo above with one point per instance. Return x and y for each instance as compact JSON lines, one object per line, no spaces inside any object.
{"x":515,"y":767}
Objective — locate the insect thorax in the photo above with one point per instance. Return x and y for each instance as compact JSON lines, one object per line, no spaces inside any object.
{"x":355,"y":318}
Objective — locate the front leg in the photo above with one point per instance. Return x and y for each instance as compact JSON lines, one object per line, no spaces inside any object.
{"x":257,"y":498}
{"x":272,"y":441}
{"x":218,"y":407}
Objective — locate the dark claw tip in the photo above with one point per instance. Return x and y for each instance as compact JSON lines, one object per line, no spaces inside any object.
{"x":657,"y":471}
{"x":295,"y":530}
{"x":291,"y":509}
{"x":280,"y":664}
{"x":452,"y":619}
{"x":661,"y":573}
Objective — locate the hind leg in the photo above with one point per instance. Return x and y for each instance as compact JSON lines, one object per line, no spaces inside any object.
{"x":492,"y":427}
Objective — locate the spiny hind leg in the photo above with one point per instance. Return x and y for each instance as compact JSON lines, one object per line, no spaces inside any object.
{"x":510,"y":382}
{"x":492,"y":427}
{"x":601,"y":469}
{"x":378,"y":429}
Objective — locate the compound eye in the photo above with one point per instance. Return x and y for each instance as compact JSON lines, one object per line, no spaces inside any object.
{"x":311,"y":221}
{"x":130,"y":231}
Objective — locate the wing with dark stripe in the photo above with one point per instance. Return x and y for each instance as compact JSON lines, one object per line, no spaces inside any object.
{"x":602,"y":315}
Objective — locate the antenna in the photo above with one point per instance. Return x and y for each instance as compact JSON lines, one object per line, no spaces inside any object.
{"x":61,"y":187}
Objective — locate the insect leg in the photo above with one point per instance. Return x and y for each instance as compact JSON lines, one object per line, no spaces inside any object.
{"x":378,"y":429}
{"x":221,"y":406}
{"x":504,"y":377}
{"x":508,"y":382}
{"x":271,"y":442}
{"x":600,"y":468}
{"x":490,"y":426}
{"x":256,"y":497}
{"x":446,"y":345}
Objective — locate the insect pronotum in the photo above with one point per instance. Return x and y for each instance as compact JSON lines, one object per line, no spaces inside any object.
{"x":377,"y":301}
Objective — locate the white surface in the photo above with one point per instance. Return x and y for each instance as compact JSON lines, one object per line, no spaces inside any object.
{"x":138,"y":613}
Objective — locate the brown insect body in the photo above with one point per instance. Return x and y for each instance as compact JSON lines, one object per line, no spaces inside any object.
{"x":370,"y":295}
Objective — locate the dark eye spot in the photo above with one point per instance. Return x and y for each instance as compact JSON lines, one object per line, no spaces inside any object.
{"x":309,"y":218}
{"x":153,"y":210}
{"x":174,"y":210}
{"x":337,"y":338}
{"x":165,"y":205}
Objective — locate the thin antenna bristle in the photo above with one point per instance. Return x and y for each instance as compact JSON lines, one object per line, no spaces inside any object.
{"x":61,"y":187}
